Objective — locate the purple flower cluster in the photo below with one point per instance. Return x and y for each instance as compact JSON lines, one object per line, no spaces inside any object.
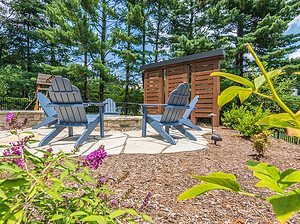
{"x":112,"y":203}
{"x":13,"y":123}
{"x":17,"y":150}
{"x":101,"y":182}
{"x":145,"y":202}
{"x":50,"y":150}
{"x":94,"y":159}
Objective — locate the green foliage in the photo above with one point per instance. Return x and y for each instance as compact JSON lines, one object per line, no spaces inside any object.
{"x":243,"y":119}
{"x":284,"y":205}
{"x":231,"y":118}
{"x":48,"y":192}
{"x":261,"y":140}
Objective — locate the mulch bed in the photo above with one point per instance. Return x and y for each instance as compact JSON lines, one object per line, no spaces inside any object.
{"x":167,"y":176}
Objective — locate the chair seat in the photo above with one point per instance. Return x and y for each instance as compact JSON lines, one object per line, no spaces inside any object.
{"x":157,"y":118}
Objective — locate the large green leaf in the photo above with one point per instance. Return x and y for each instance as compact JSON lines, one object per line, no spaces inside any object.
{"x":222,"y":179}
{"x":98,"y":218}
{"x":285,"y":206}
{"x":229,"y":93}
{"x":269,"y":175}
{"x":288,"y":178}
{"x":259,"y":81}
{"x":275,"y":121}
{"x":235,"y":78}
{"x":121,"y":212}
{"x":214,"y":181}
{"x":14,"y":183}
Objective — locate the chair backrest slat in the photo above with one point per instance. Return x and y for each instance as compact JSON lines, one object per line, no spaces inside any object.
{"x":67,"y":114}
{"x":110,"y":107}
{"x":172,"y":115}
{"x":192,"y":104}
{"x":43,"y":101}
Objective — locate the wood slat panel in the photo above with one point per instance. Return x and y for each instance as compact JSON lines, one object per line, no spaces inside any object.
{"x":205,"y":101}
{"x":206,"y":81}
{"x":200,"y":92}
{"x":204,"y":68}
{"x":204,"y":62}
{"x":201,"y":78}
{"x":175,"y":77}
{"x":204,"y":87}
{"x":201,"y":110}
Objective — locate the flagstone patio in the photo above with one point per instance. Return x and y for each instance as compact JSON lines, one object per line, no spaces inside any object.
{"x":115,"y":142}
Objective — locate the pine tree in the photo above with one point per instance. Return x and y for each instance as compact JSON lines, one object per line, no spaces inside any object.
{"x":126,"y":41}
{"x":260,"y":23}
{"x":75,"y":31}
{"x":188,"y":28}
{"x":157,"y":25}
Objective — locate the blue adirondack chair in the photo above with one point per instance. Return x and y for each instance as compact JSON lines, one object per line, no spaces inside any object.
{"x":171,"y":116}
{"x":51,"y":116}
{"x":185,"y":118}
{"x":110,"y":107}
{"x":66,"y":100}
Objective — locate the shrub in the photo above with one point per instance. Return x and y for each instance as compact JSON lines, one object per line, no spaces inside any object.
{"x":260,"y":142}
{"x":231,"y":118}
{"x":284,"y":204}
{"x":243,"y":120}
{"x":46,"y":193}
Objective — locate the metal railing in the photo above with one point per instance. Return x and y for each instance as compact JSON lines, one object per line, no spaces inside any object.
{"x":14,"y":103}
{"x":282,"y":134}
{"x":133,"y":109}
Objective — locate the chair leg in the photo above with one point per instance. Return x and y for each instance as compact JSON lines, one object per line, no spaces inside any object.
{"x":167,"y":129}
{"x":190,"y":124}
{"x":52,"y":135}
{"x":159,"y":128}
{"x":185,"y":132}
{"x":70,"y":129}
{"x":87,"y":132}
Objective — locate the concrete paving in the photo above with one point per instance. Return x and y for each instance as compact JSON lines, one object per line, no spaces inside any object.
{"x":115,"y":142}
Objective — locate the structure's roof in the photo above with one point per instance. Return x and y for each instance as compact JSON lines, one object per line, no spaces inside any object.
{"x":208,"y":54}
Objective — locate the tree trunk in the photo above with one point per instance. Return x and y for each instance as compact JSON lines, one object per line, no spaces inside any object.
{"x":52,"y":49}
{"x":103,"y":39}
{"x":28,"y":43}
{"x":127,"y":72}
{"x":86,"y":78}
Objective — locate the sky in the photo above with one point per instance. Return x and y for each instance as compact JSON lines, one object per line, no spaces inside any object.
{"x":294,"y":27}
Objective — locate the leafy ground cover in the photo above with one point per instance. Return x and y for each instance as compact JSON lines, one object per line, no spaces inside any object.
{"x":167,"y":176}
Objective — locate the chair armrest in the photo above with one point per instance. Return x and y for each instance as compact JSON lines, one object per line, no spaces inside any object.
{"x":96,"y":104}
{"x":65,"y":105}
{"x":153,"y":105}
{"x":181,"y":107}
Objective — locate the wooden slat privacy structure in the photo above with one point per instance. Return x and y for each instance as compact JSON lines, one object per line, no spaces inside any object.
{"x":161,"y":78}
{"x":154,"y":89}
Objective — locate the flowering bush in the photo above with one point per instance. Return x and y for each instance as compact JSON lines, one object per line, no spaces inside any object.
{"x":41,"y":189}
{"x":261,"y":140}
{"x":94,"y":159}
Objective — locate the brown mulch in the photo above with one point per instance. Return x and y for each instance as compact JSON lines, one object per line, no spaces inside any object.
{"x":167,"y":176}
